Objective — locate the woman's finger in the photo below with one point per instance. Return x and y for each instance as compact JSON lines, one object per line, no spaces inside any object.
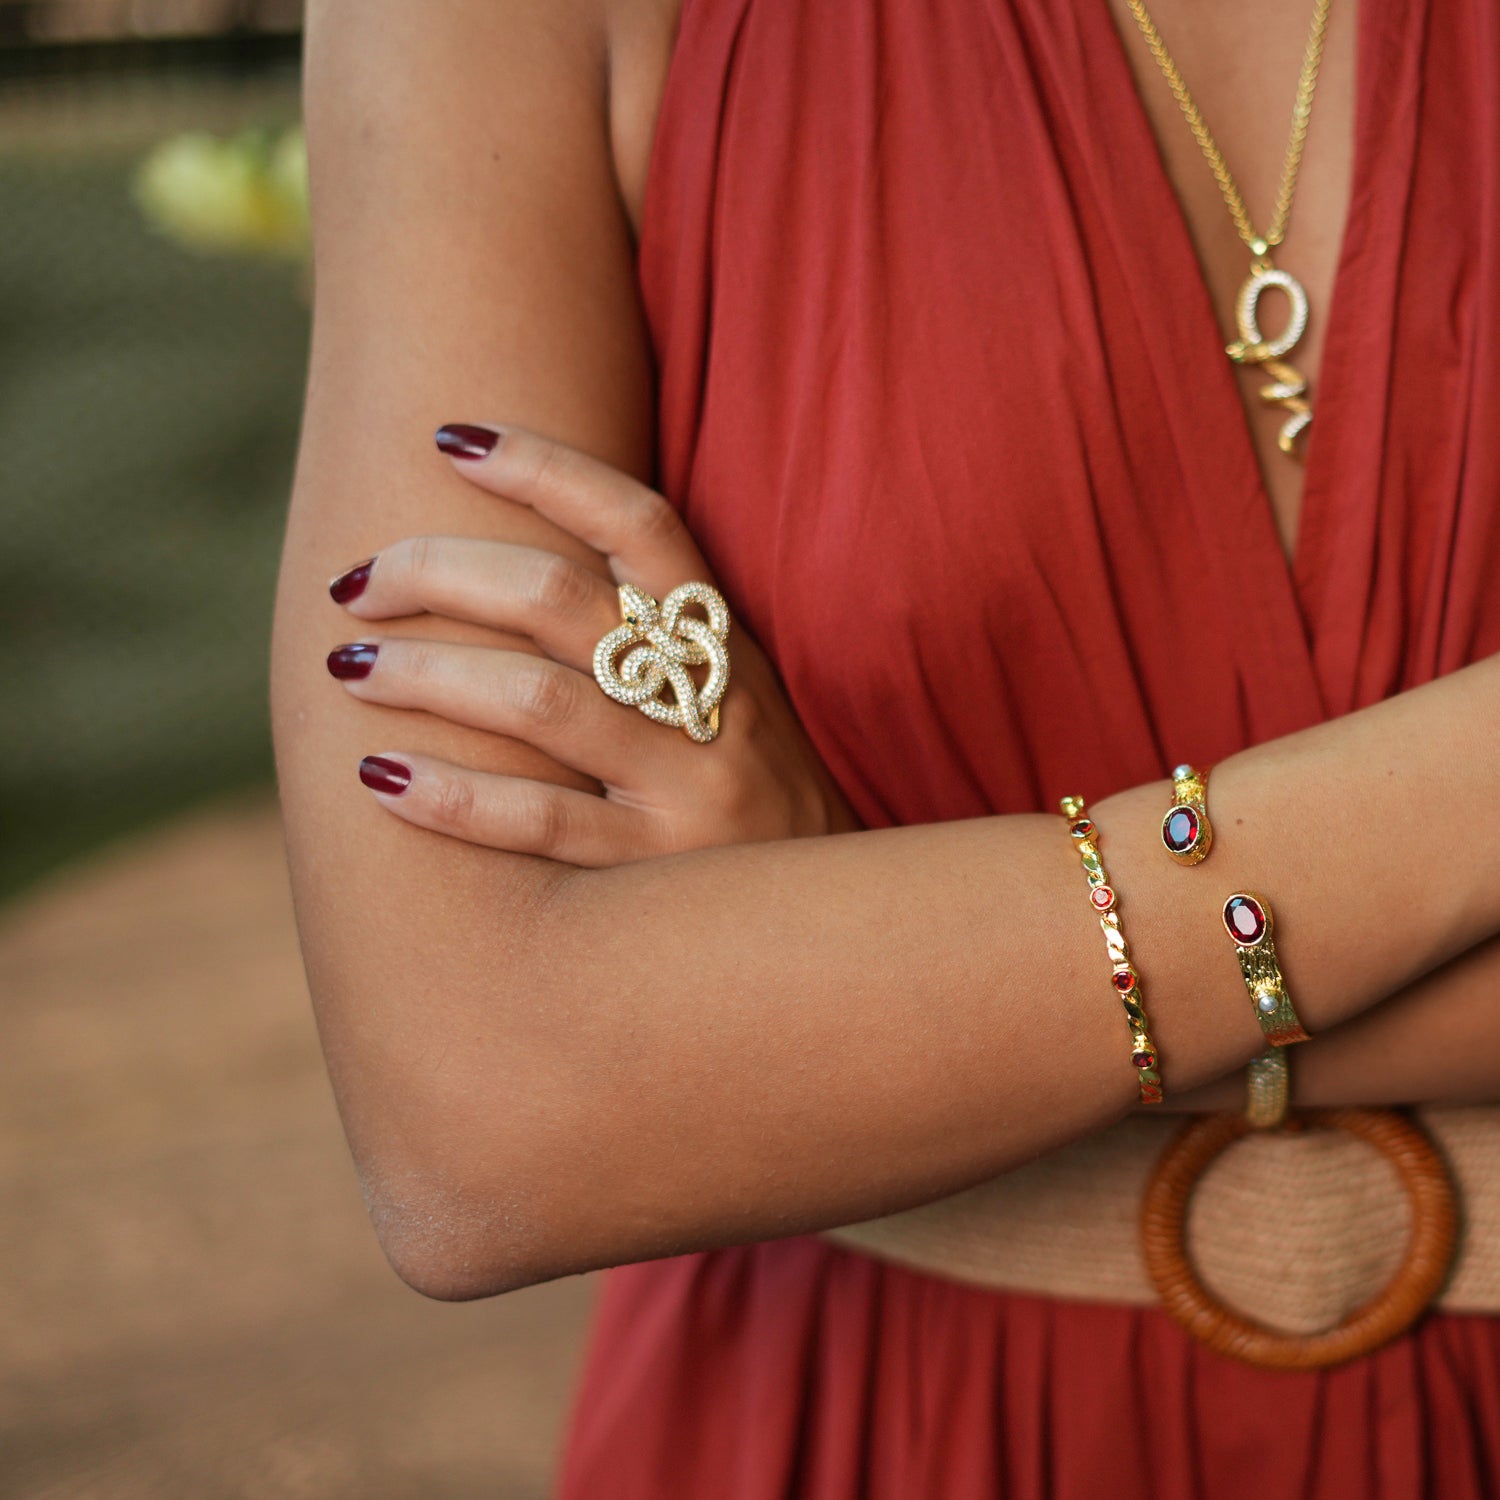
{"x":508,"y":812}
{"x":513,"y":693}
{"x":559,"y":603}
{"x":639,"y":532}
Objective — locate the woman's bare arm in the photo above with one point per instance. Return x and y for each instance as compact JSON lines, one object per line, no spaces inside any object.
{"x":542,"y":1070}
{"x":863,"y":1022}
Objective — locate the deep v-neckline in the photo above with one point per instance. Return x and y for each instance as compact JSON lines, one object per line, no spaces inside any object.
{"x":1286,"y":606}
{"x":1328,"y":383}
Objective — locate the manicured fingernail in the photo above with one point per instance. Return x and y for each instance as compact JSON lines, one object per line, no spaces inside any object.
{"x":351,"y":585}
{"x":353,"y":660}
{"x":462,"y":440}
{"x":381,"y":774}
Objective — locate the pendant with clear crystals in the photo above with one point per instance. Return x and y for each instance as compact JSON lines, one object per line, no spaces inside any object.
{"x":1288,"y":388}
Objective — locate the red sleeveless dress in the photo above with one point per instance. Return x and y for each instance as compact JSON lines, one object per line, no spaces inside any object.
{"x":935,"y":355}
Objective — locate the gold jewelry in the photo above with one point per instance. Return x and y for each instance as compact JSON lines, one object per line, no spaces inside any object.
{"x":662,"y":643}
{"x":1268,"y":1088}
{"x":1126,"y":981}
{"x":1247,"y":919}
{"x":1186,"y":832}
{"x":1288,"y":387}
{"x":1187,"y":835}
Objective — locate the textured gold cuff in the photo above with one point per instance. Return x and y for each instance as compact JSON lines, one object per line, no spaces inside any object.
{"x":1126,"y":982}
{"x":1247,"y":919}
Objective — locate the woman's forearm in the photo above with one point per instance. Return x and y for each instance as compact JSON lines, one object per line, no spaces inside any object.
{"x":764,"y":1039}
{"x":1437,"y":1042}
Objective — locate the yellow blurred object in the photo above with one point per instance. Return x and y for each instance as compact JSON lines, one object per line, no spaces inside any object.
{"x":244,"y":193}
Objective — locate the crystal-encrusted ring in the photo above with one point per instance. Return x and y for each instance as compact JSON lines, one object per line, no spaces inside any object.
{"x":660,"y":643}
{"x":1186,"y":833}
{"x":1248,"y":921}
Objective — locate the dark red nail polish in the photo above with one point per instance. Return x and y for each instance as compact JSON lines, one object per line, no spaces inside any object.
{"x":462,"y":440}
{"x":381,"y":774}
{"x":353,"y":660}
{"x":351,"y":585}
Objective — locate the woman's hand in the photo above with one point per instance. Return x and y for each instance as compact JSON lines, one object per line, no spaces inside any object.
{"x":660,"y":792}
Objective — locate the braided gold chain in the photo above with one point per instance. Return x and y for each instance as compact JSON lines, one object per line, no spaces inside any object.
{"x":1301,"y":113}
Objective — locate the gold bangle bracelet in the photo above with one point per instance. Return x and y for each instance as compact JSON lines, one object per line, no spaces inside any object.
{"x":1186,"y":833}
{"x":1248,"y":921}
{"x":1126,"y":982}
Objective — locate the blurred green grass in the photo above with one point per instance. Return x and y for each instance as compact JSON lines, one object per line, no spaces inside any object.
{"x":149,"y":404}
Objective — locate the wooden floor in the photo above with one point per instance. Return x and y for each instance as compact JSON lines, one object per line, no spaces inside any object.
{"x":194,"y":1304}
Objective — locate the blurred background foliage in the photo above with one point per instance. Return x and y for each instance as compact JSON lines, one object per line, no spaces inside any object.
{"x":148,"y":413}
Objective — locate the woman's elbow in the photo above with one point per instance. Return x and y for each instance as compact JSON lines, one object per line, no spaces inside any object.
{"x":469,"y":1200}
{"x":457,"y":1244}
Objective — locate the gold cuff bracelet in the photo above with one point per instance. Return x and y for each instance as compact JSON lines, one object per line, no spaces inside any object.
{"x":1247,"y":919}
{"x":1186,"y":832}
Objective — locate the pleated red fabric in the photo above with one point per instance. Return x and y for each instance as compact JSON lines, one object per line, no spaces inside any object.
{"x":936,"y":359}
{"x":804,"y":1369}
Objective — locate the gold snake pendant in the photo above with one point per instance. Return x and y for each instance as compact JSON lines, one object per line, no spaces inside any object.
{"x":1288,"y":388}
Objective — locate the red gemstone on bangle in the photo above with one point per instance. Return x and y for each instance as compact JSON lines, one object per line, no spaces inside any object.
{"x":1245,"y":920}
{"x":1124,"y":980}
{"x":1082,"y":829}
{"x":1102,"y":897}
{"x":1179,"y":831}
{"x":1143,"y":1059}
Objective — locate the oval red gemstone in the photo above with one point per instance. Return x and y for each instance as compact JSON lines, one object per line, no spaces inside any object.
{"x":1083,"y":828}
{"x":1245,"y":920}
{"x":1124,"y":980}
{"x":1143,"y":1059}
{"x":1179,"y":832}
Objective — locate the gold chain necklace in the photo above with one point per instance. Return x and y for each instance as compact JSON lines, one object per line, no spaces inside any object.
{"x":1288,"y":388}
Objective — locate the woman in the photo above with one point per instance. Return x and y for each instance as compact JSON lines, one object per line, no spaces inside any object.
{"x":903,"y":324}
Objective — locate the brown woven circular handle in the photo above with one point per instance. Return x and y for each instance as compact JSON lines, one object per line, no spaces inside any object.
{"x":1434,"y":1223}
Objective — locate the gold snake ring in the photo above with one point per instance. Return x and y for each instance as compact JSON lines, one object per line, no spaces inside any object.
{"x":661,"y":643}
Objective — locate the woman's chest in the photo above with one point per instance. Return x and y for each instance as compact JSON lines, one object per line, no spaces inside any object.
{"x":941,"y":205}
{"x":1243,"y":68}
